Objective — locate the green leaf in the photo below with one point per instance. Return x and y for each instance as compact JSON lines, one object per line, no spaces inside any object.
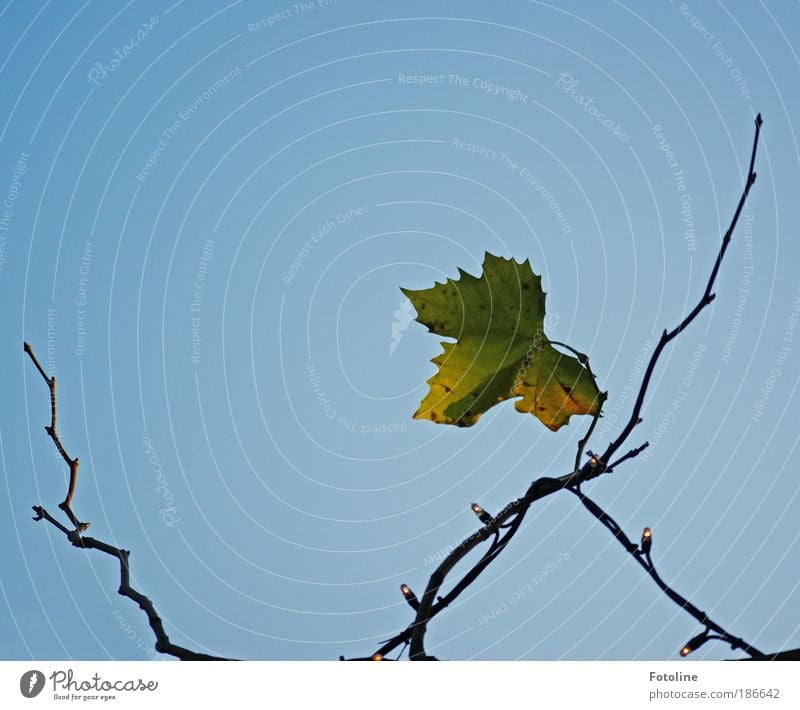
{"x":501,"y":351}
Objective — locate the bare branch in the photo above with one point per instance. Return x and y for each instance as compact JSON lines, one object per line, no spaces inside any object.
{"x":705,"y":300}
{"x":52,"y":432}
{"x":163,"y":644}
{"x":631,"y":454}
{"x":582,"y":443}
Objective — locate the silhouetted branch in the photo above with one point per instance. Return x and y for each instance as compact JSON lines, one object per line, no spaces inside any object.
{"x":631,"y":454}
{"x":163,"y":644}
{"x":511,"y":516}
{"x":705,"y":300}
{"x":582,"y":443}
{"x":641,"y":553}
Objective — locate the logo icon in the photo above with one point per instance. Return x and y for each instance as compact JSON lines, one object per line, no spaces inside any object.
{"x":402,"y":319}
{"x":31,"y":683}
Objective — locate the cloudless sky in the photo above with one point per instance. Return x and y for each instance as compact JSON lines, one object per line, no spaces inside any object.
{"x":209,"y":211}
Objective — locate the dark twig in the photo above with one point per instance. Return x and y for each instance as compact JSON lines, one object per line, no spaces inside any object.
{"x":705,"y":300}
{"x":641,"y":553}
{"x":163,"y":644}
{"x":631,"y":454}
{"x":582,"y":443}
{"x":511,"y":516}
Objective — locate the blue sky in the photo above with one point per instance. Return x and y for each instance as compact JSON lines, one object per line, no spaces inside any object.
{"x":209,"y":212}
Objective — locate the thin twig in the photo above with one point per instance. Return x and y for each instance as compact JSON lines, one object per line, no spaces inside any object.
{"x":704,"y":301}
{"x":163,"y":644}
{"x":582,"y":443}
{"x":52,"y":432}
{"x":631,"y":454}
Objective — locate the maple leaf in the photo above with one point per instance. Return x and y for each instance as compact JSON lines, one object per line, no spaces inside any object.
{"x":500,"y":350}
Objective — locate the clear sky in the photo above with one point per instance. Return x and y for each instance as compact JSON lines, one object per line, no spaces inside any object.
{"x":209,"y":211}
